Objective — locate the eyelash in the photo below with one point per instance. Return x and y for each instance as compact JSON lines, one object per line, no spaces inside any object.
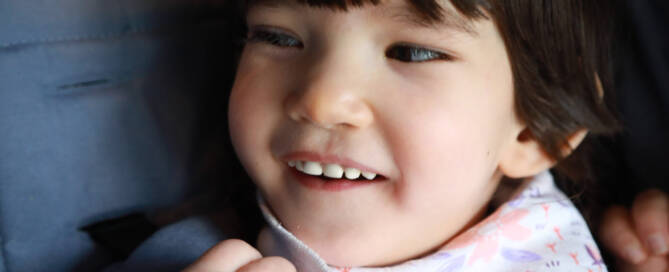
{"x":273,"y":38}
{"x":400,"y":52}
{"x":412,"y":53}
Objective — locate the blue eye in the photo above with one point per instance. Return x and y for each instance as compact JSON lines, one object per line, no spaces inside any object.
{"x":409,"y":53}
{"x":273,"y":38}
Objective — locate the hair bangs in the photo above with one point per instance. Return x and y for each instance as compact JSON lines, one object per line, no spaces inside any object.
{"x":429,"y":10}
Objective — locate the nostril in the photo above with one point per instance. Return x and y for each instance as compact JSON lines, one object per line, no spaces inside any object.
{"x":333,"y":116}
{"x":308,"y":113}
{"x":295,"y":116}
{"x":303,"y":117}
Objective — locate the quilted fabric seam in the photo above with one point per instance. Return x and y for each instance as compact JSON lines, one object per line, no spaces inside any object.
{"x":105,"y":36}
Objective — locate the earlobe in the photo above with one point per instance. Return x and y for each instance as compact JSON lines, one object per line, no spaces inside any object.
{"x":526,"y":157}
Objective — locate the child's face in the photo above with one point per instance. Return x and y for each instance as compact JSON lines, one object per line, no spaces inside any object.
{"x":344,"y":87}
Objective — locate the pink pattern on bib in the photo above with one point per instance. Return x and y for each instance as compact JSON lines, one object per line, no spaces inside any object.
{"x":487,"y":233}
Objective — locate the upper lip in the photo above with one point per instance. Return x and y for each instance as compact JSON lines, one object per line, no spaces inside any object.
{"x":328,"y":158}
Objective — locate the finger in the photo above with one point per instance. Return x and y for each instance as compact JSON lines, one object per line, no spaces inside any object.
{"x":226,"y":256}
{"x":651,"y":264}
{"x":618,"y":235}
{"x":274,"y":263}
{"x":650,"y":214}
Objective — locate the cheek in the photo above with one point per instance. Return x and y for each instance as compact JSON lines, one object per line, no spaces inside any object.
{"x":242,"y":114}
{"x":446,"y":151}
{"x":252,"y":114}
{"x":445,"y":157}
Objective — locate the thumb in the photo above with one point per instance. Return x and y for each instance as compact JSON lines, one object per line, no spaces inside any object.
{"x":226,"y":256}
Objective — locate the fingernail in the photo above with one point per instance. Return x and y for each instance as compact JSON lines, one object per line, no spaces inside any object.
{"x":634,"y":254}
{"x":657,"y":244}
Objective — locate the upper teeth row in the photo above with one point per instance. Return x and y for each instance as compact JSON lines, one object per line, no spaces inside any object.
{"x":330,"y":170}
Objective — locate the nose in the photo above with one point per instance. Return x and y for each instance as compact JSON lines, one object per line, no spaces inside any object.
{"x":331,"y":95}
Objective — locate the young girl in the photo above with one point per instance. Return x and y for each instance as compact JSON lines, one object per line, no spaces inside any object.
{"x":416,"y":135}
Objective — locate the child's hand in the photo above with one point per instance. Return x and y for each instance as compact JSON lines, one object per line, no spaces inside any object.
{"x":236,"y":255}
{"x":639,"y":236}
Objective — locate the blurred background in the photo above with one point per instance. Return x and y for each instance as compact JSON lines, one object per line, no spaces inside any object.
{"x":113,"y":129}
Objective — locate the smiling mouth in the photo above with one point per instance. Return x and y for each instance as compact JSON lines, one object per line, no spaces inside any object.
{"x":333,"y":171}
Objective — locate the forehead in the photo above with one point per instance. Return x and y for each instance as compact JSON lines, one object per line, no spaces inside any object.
{"x":438,"y":14}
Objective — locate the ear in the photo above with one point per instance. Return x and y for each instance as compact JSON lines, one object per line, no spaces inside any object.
{"x":525,"y":157}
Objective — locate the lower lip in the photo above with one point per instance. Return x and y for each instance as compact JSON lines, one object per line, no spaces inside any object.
{"x":331,"y":185}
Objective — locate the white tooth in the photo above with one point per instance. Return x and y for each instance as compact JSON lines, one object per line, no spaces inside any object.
{"x":333,"y":171}
{"x":351,"y":173}
{"x":299,"y":165}
{"x":368,"y":175}
{"x":313,"y":168}
{"x":291,"y":163}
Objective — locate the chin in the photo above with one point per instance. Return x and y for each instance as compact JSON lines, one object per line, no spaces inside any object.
{"x":349,"y":251}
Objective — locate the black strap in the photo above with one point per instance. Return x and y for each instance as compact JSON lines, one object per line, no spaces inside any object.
{"x":121,"y":235}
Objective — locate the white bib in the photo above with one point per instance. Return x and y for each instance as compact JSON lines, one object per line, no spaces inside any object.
{"x":539,"y":229}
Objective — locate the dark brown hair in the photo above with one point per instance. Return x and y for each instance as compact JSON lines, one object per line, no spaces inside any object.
{"x":558,"y":51}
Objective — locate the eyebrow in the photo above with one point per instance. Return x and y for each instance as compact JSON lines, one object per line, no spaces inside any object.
{"x":406,"y":14}
{"x":450,"y":19}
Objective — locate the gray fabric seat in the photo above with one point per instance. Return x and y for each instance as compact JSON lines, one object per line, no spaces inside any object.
{"x":172,"y":248}
{"x":98,"y":108}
